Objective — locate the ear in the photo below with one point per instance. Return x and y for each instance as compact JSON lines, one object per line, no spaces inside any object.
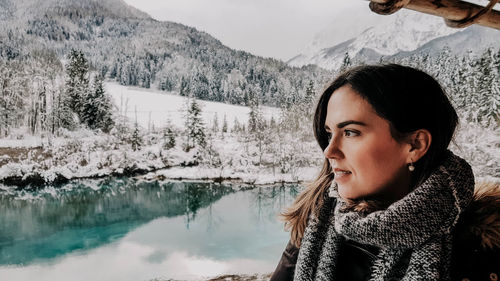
{"x":419,"y":141}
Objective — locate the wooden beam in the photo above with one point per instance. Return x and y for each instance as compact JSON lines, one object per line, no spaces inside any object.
{"x":451,"y":10}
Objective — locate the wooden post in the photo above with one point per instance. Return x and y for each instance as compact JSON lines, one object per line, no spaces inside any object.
{"x":455,"y":13}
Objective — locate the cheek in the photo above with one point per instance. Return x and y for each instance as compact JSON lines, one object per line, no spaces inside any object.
{"x":378,"y":161}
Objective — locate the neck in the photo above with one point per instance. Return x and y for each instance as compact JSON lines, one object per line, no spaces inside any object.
{"x":397,"y":190}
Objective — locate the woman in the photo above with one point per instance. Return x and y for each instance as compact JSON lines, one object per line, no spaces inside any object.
{"x":390,"y":196}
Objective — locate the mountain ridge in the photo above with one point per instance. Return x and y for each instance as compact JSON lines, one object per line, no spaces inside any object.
{"x":31,"y":8}
{"x":134,"y":49}
{"x":404,"y":33}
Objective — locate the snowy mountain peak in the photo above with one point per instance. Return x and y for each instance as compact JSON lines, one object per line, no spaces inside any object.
{"x":407,"y":31}
{"x":383,"y":35}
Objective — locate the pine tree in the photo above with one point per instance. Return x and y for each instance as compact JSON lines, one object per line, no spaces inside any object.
{"x":169,"y":138}
{"x":136,"y":140}
{"x":195,"y":130}
{"x":224,"y":124}
{"x":309,"y":97}
{"x":168,"y":135}
{"x":77,"y":83}
{"x":472,"y":99}
{"x":64,"y":114}
{"x":272,"y":123}
{"x":96,"y":109}
{"x":200,"y":85}
{"x":303,"y":111}
{"x":442,"y":70}
{"x":236,"y":125}
{"x":215,"y":123}
{"x":493,"y":115}
{"x":486,"y":87}
{"x":184,"y":88}
{"x":255,"y":118}
{"x":459,"y":89}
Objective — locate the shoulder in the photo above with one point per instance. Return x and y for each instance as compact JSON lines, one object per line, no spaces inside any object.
{"x":286,"y":266}
{"x":476,"y":238}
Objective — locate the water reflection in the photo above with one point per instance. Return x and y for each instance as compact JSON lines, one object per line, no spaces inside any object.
{"x":88,"y":216}
{"x":272,"y":200}
{"x":175,"y":229}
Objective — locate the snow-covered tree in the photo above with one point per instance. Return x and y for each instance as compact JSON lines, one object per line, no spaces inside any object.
{"x":255,"y":118}
{"x":97,"y":108}
{"x":169,"y":139}
{"x":136,"y":139}
{"x":236,"y":125}
{"x":215,"y":123}
{"x":309,"y":96}
{"x":168,"y":136}
{"x":7,"y":108}
{"x":62,"y":115}
{"x":194,"y":125}
{"x":224,"y":124}
{"x":494,"y":114}
{"x":488,"y":88}
{"x":77,"y":83}
{"x":184,"y":88}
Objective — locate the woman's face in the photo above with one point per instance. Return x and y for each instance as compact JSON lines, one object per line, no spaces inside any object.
{"x":366,"y":159}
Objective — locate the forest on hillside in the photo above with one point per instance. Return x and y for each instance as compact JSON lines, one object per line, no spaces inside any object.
{"x":53,"y":64}
{"x":73,"y":99}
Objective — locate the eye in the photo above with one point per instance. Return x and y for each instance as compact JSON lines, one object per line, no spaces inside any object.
{"x":351,"y":133}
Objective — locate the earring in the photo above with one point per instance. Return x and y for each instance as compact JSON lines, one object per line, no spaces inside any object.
{"x":411,"y":167}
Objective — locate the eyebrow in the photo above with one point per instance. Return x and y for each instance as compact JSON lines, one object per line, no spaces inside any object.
{"x":345,"y":123}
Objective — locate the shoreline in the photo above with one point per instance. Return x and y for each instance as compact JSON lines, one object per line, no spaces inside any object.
{"x":88,"y":155}
{"x":258,"y":177}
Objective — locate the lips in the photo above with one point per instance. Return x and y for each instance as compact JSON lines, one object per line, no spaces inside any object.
{"x":340,"y":172}
{"x":341,"y":175}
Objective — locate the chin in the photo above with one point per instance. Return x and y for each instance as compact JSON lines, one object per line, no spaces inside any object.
{"x":346,"y":193}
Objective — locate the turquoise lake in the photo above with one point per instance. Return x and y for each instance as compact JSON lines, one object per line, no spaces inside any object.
{"x":124,"y":229}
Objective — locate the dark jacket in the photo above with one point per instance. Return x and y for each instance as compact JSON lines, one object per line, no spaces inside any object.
{"x":476,"y":245}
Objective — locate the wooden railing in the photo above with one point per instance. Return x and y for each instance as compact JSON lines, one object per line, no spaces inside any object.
{"x":456,"y":13}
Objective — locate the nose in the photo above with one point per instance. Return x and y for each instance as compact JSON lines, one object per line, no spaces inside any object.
{"x":333,"y":151}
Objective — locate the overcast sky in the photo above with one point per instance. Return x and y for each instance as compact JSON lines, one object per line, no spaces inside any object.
{"x":270,"y":28}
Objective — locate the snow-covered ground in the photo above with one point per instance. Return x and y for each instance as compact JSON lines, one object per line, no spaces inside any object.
{"x":84,"y":154}
{"x":280,"y":157}
{"x":228,"y":156}
{"x":153,"y":107}
{"x":22,"y":141}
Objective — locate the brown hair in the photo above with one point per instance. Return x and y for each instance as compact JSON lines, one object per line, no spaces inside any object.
{"x":398,"y":94}
{"x":307,"y":202}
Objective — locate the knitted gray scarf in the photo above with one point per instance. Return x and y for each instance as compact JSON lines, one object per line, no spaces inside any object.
{"x":418,"y":225}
